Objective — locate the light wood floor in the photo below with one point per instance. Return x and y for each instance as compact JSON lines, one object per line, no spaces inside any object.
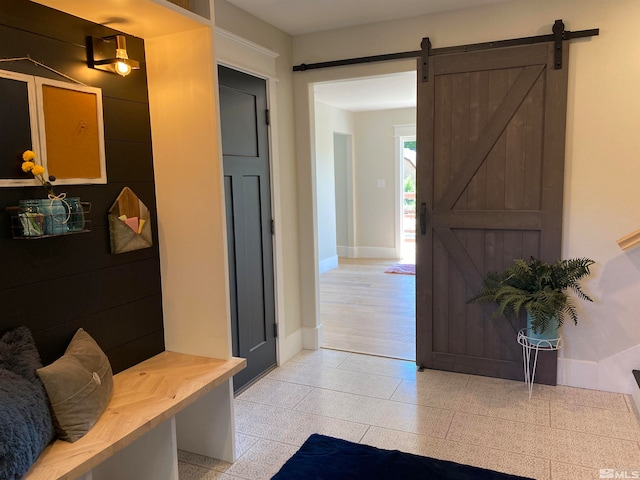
{"x":365,"y":310}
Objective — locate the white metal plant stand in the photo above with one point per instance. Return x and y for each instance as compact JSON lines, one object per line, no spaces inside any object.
{"x":530,"y":344}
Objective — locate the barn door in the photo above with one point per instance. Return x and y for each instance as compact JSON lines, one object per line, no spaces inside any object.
{"x":491,"y":128}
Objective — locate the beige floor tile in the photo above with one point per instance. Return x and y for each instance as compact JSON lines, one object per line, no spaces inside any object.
{"x":608,"y":423}
{"x":559,"y":393}
{"x":202,"y":461}
{"x":322,"y":356}
{"x":581,"y":396}
{"x":544,"y":442}
{"x":561,"y":433}
{"x":374,"y":411}
{"x":564,"y":471}
{"x":448,"y":396}
{"x":443,"y":378}
{"x":273,"y":392}
{"x":498,"y":386}
{"x":390,"y":367}
{"x":405,"y":442}
{"x":334,"y":379}
{"x":500,"y":461}
{"x":290,"y":426}
{"x":477,"y":456}
{"x":263,"y":460}
{"x":510,"y":405}
{"x":188,"y":471}
{"x":244,"y":443}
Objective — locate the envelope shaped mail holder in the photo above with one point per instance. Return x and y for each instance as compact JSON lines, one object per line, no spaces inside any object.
{"x":129,"y":223}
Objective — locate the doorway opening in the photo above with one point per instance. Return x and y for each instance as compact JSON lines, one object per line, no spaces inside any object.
{"x":362,"y":129}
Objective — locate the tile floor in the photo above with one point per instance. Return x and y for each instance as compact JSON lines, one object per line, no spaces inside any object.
{"x":561,"y":433}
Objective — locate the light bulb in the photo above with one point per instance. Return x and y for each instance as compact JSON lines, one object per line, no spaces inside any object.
{"x":123,"y":69}
{"x":118,"y":63}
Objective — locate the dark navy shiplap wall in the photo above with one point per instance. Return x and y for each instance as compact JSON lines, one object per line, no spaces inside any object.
{"x":56,"y":285}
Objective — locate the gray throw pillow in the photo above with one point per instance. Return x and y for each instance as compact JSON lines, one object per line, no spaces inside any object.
{"x":79,"y":386}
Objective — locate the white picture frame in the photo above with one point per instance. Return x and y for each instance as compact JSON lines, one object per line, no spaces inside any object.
{"x":13,"y":155}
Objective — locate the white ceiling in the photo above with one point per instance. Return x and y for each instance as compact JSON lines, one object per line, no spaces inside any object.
{"x":297,"y":17}
{"x":374,"y":93}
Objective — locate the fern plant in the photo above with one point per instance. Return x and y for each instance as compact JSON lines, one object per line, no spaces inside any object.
{"x":537,"y":287}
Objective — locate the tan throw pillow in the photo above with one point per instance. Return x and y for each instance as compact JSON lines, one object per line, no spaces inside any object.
{"x":79,"y":386}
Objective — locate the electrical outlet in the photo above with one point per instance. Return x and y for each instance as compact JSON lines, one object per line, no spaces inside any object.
{"x":380,"y":183}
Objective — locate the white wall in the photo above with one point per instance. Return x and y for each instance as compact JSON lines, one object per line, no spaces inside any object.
{"x":375,"y":159}
{"x":328,"y":120}
{"x":602,"y":167}
{"x":182,"y":106}
{"x":343,"y":180}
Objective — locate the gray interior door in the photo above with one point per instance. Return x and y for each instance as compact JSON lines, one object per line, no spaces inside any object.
{"x":245,"y":147}
{"x":491,"y":131}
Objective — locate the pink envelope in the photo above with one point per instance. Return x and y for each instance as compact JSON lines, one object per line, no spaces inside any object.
{"x":133,"y":223}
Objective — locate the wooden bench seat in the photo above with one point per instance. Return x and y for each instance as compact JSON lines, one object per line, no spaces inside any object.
{"x":144,"y":397}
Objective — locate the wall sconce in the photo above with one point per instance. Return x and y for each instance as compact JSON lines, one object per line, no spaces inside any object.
{"x":101,"y":55}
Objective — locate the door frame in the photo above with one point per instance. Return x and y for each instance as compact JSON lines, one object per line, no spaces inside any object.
{"x":245,"y":56}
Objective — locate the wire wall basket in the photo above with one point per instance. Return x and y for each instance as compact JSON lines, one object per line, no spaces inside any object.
{"x":43,"y":218}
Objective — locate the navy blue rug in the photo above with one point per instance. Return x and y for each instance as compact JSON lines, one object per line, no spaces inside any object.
{"x":327,"y":458}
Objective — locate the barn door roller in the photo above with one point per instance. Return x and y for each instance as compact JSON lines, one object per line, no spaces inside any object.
{"x":559,"y":34}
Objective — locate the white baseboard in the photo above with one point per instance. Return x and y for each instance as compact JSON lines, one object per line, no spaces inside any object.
{"x":289,"y":346}
{"x":615,"y":370}
{"x":375,"y":252}
{"x":348,"y":252}
{"x":312,"y":337}
{"x":577,"y":373}
{"x":306,"y":338}
{"x":328,"y":264}
{"x":367,"y":252}
{"x":610,"y":374}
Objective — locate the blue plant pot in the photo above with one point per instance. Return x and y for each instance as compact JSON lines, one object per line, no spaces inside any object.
{"x":547,"y":338}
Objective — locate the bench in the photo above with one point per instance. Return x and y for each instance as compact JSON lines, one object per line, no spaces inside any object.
{"x":167,"y":401}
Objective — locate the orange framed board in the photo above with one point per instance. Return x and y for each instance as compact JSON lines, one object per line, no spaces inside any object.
{"x":71,"y":132}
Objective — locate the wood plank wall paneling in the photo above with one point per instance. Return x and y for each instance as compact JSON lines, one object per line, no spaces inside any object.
{"x":56,"y":285}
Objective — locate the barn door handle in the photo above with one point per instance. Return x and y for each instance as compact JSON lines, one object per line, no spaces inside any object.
{"x":423,"y":218}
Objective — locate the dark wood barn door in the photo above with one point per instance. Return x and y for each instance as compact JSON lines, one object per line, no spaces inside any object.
{"x":491,"y":129}
{"x":245,"y":148}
